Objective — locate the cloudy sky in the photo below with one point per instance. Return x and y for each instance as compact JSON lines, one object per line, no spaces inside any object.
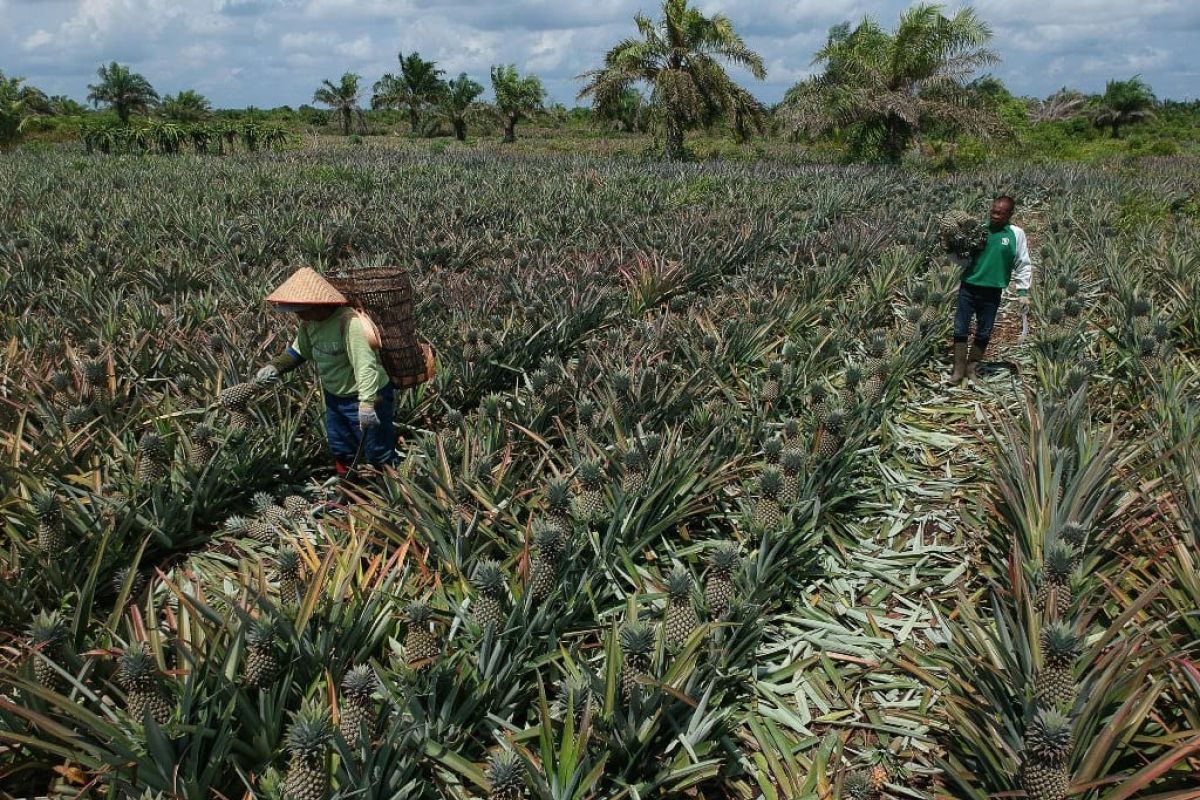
{"x":275,"y":52}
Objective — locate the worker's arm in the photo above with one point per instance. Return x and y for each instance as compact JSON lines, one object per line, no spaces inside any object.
{"x":1023,"y":266}
{"x":363,"y":360}
{"x":296,"y":354}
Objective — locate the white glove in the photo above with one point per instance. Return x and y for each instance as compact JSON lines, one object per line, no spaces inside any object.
{"x":267,"y":375}
{"x":367,"y":418}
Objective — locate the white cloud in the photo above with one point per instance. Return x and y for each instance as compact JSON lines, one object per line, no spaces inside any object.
{"x":38,"y":39}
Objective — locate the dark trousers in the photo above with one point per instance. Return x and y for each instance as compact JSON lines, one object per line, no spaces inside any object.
{"x":343,"y":433}
{"x":980,"y":302}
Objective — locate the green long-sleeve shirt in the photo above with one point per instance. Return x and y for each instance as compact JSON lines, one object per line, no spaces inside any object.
{"x":345,"y":362}
{"x":1005,"y":259}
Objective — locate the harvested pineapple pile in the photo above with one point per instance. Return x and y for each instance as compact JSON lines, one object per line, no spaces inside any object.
{"x":685,"y":513}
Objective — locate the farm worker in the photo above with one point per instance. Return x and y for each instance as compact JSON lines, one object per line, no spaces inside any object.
{"x":359,"y":395}
{"x":1003,"y":260}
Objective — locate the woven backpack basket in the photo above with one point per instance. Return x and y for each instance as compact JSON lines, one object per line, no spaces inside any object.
{"x":384,"y":296}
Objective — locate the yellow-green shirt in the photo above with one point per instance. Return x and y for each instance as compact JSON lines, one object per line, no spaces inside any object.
{"x":345,"y":362}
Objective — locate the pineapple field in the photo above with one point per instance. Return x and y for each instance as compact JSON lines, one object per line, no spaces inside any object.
{"x":688,"y":511}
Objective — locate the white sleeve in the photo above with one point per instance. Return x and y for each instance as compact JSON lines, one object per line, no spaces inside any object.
{"x":1023,"y":268}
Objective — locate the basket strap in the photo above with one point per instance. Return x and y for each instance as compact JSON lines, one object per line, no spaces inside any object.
{"x":370,"y":329}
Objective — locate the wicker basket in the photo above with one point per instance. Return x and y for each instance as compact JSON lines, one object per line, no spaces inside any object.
{"x":385,"y":294}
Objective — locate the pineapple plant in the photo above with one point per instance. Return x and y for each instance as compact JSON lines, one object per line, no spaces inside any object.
{"x":574,"y":696}
{"x":549,"y":540}
{"x":203,"y":446}
{"x":357,"y":712}
{"x":558,"y":502}
{"x":490,"y":591}
{"x":506,"y":774}
{"x":236,"y":526}
{"x":637,"y":646}
{"x":421,"y":645}
{"x":766,"y":510}
{"x":681,"y":617}
{"x":287,"y":572}
{"x":95,"y":379}
{"x":1054,"y":589}
{"x":47,"y":638}
{"x":858,"y":786}
{"x":1044,"y":767}
{"x":718,"y":588}
{"x":137,"y":674}
{"x":50,"y":535}
{"x":773,"y":450}
{"x":590,"y":506}
{"x":120,"y":574}
{"x":789,"y":490}
{"x":77,"y":416}
{"x":1148,"y":351}
{"x":830,"y":435}
{"x":307,"y":743}
{"x":261,"y":666}
{"x":1054,"y":686}
{"x":152,"y":458}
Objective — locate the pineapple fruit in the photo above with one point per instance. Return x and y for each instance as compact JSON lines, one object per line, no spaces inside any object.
{"x":138,"y":676}
{"x":421,"y":645}
{"x":718,"y":588}
{"x":490,"y":591}
{"x":590,"y":506}
{"x":358,"y":713}
{"x":766,"y":510}
{"x":203,"y":446}
{"x":1054,"y":590}
{"x":50,"y":536}
{"x":633,"y":478}
{"x":549,"y":540}
{"x":261,"y":666}
{"x":152,"y":458}
{"x":47,"y":639}
{"x":506,"y":774}
{"x":1054,"y":685}
{"x":637,"y":645}
{"x":1044,"y":769}
{"x":308,"y":749}
{"x":681,"y":617}
{"x":287,"y":572}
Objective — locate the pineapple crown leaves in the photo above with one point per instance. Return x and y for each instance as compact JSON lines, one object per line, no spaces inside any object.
{"x":262,"y":501}
{"x":261,"y":632}
{"x":773,"y":448}
{"x":203,"y":432}
{"x":770,"y":482}
{"x":360,"y":682}
{"x":622,"y":381}
{"x":1058,"y":560}
{"x":1048,"y":737}
{"x":48,"y":629}
{"x":724,"y":558}
{"x":236,"y":525}
{"x":558,"y":494}
{"x":680,"y":585}
{"x":792,"y":462}
{"x":1060,"y":645}
{"x":418,"y":614}
{"x":489,"y":578}
{"x":775,"y":369}
{"x":1147,"y":344}
{"x":1073,"y":533}
{"x":548,"y":536}
{"x":287,"y":561}
{"x":858,"y":785}
{"x":310,"y":732}
{"x":633,"y":460}
{"x":853,"y":376}
{"x":46,"y":506}
{"x":591,"y":474}
{"x":506,"y":773}
{"x":637,"y":641}
{"x":877,"y":344}
{"x":651,"y":444}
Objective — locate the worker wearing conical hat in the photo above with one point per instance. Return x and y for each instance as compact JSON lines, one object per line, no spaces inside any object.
{"x":359,"y":396}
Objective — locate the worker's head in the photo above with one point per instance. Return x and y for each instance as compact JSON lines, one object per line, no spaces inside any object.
{"x":1002,"y":211}
{"x":308,"y":295}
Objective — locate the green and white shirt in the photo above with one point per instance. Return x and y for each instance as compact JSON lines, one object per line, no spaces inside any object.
{"x":1005,"y":259}
{"x":345,"y":362}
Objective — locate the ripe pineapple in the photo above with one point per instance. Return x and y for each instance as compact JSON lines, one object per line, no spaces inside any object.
{"x":47,"y":637}
{"x":421,"y":646}
{"x":203,"y":446}
{"x":789,"y":490}
{"x":591,"y":499}
{"x":637,"y":645}
{"x":506,"y":773}
{"x":770,"y":388}
{"x":358,"y":713}
{"x":296,"y":507}
{"x":260,"y":531}
{"x":152,"y":458}
{"x":237,"y":396}
{"x":549,"y":540}
{"x":1055,"y":682}
{"x":633,"y":481}
{"x":138,"y":676}
{"x":1054,"y":590}
{"x":830,"y":434}
{"x":558,"y":502}
{"x":681,"y":615}
{"x":766,"y":510}
{"x":50,"y":536}
{"x":308,"y":747}
{"x":261,"y":666}
{"x":490,"y":589}
{"x":1044,"y":770}
{"x":287,"y":572}
{"x":718,"y":588}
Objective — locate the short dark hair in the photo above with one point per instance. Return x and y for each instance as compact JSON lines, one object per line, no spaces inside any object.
{"x":1007,"y":198}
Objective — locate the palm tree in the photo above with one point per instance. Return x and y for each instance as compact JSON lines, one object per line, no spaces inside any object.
{"x":187,"y":106}
{"x":63,"y":106}
{"x":1063,"y":104}
{"x":456,"y":103}
{"x":1123,"y":103}
{"x":417,"y":87}
{"x":342,"y":98}
{"x":516,"y":97}
{"x":18,"y":102}
{"x":680,"y":58}
{"x":885,"y":88}
{"x":123,"y":91}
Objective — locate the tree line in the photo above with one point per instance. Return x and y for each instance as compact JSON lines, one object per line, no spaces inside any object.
{"x":877,"y":90}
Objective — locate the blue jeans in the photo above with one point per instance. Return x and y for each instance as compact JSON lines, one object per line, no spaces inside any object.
{"x":981,"y":302}
{"x":341,"y":428}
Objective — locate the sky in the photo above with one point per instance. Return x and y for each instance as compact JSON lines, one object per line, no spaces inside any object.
{"x":269,"y":53}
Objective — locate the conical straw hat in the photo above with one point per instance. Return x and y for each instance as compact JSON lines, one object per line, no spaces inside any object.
{"x":307,"y":287}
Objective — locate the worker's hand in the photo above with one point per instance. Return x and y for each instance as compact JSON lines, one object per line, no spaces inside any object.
{"x":267,"y":375}
{"x":367,"y":418}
